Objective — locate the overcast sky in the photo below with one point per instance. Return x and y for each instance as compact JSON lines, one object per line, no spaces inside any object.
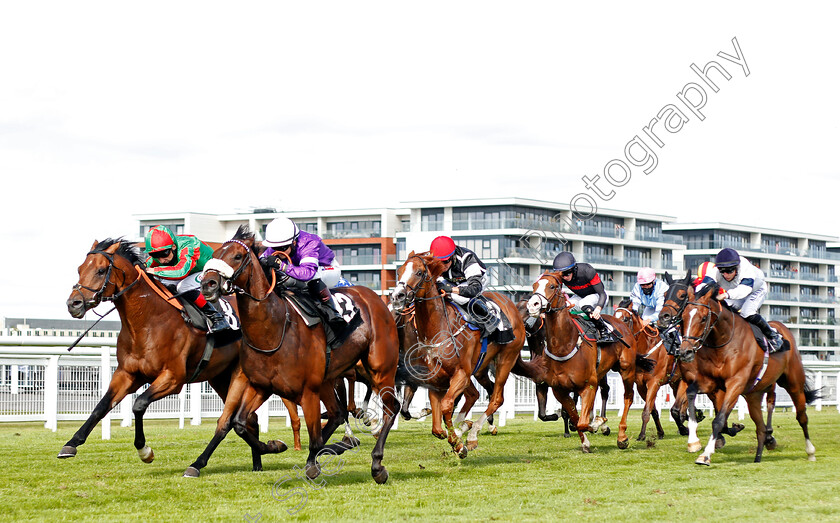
{"x":112,"y":109}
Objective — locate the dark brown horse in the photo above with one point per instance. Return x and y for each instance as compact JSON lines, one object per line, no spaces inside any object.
{"x":729,"y":359}
{"x":154,"y":346}
{"x":283,"y":356}
{"x":567,"y":367}
{"x":449,"y":352}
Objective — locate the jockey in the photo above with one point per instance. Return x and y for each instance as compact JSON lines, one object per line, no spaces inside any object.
{"x":177,"y":261}
{"x":310,"y":264}
{"x":648,"y":295}
{"x":743,"y":289}
{"x":464,"y":277}
{"x":588,"y":291}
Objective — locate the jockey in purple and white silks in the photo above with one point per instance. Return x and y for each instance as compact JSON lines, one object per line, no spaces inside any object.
{"x":744,"y":290}
{"x":310,"y":264}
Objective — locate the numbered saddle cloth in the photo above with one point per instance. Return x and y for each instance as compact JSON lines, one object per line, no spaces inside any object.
{"x":494,"y":326}
{"x":308,"y":309}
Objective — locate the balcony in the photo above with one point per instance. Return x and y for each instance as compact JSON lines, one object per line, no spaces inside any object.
{"x":360,"y":260}
{"x":356,"y":233}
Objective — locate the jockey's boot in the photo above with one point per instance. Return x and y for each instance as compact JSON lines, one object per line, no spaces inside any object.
{"x":321,"y":293}
{"x":606,"y":333}
{"x":216,"y":318}
{"x":772,"y":335}
{"x":532,"y":324}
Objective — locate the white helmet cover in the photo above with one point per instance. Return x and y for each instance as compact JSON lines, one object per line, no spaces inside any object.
{"x":280,"y":232}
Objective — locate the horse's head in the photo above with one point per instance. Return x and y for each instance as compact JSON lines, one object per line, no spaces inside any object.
{"x":698,"y":317}
{"x":415,"y":276}
{"x":232,"y":264}
{"x":548,"y":294}
{"x":625,"y":313}
{"x":103,"y":274}
{"x":675,"y":299}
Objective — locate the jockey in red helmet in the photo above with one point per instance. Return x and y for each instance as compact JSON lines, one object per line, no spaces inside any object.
{"x":177,"y":261}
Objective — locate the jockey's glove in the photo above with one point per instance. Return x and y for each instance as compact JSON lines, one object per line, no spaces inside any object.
{"x":445,"y":287}
{"x":270,"y":262}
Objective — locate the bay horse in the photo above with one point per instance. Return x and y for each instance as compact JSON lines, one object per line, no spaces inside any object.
{"x":683,"y":380}
{"x":729,"y":359}
{"x":155,"y":345}
{"x":648,"y":383}
{"x":448,"y":352}
{"x":567,"y":367}
{"x":282,"y":355}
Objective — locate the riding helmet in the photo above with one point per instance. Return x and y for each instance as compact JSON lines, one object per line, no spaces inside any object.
{"x":280,"y":232}
{"x":564,"y":261}
{"x":159,"y":238}
{"x":727,"y":258}
{"x":442,"y":248}
{"x":645,"y":276}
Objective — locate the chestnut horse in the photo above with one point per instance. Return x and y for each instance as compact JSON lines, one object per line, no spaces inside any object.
{"x":729,"y":359}
{"x":448,"y":352}
{"x":648,"y":383}
{"x":283,"y":356}
{"x":155,"y":344}
{"x":568,"y":368}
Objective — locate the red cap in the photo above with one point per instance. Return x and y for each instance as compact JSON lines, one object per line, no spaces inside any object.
{"x":442,"y":247}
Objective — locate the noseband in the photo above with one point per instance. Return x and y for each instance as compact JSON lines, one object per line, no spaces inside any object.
{"x":228,"y":287}
{"x":411,"y":294}
{"x":550,"y":303}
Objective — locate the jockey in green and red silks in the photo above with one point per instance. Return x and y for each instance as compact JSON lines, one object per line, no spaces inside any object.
{"x":177,"y":261}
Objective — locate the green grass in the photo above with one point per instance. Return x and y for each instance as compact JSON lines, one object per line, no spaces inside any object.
{"x":527,"y":472}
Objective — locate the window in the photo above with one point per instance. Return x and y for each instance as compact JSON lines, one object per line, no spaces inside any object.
{"x":177,"y":227}
{"x":431,"y":220}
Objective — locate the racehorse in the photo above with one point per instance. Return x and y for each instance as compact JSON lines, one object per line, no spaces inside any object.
{"x":407,"y":328}
{"x":448,"y":352}
{"x":648,"y":383}
{"x":155,"y":344}
{"x":568,"y":368}
{"x":729,"y":359}
{"x":283,"y":356}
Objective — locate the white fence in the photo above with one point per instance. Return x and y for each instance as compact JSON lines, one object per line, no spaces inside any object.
{"x":43,"y":382}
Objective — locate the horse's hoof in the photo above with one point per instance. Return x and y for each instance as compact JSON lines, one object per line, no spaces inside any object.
{"x":770,"y":443}
{"x":812,"y":457}
{"x":191,"y":472}
{"x":461,"y":451}
{"x":703,"y":460}
{"x":359,"y":414}
{"x":67,"y":451}
{"x":623,"y":444}
{"x":382,"y":477}
{"x":276,"y":446}
{"x":147,"y":455}
{"x":494,"y":430}
{"x":660,"y":435}
{"x":683,"y":431}
{"x":439,"y":435}
{"x":472,"y":444}
{"x":694,"y":447}
{"x":736,"y":428}
{"x":406,"y":416}
{"x":425,"y":412}
{"x":313,"y":471}
{"x":641,"y":437}
{"x":720,"y":442}
{"x":353,"y":442}
{"x":605,"y":430}
{"x":699,"y":416}
{"x":567,"y":435}
{"x":586,"y":449}
{"x":596,"y":424}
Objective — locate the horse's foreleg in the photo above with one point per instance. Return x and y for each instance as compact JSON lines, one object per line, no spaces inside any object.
{"x":457,"y":384}
{"x":542,"y":400}
{"x":311,"y":405}
{"x":623,"y":441}
{"x":690,"y":397}
{"x":680,"y":407}
{"x":569,"y":408}
{"x":643,"y":392}
{"x":294,"y":420}
{"x":733,"y":389}
{"x":165,"y":384}
{"x":390,"y":407}
{"x":504,"y":364}
{"x":122,"y":384}
{"x":336,"y":412}
{"x":408,"y":395}
{"x":435,"y":398}
{"x":769,"y":440}
{"x":471,"y":395}
{"x":487,"y":384}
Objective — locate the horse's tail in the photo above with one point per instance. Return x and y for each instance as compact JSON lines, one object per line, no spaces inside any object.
{"x":414,"y":375}
{"x":521,"y":368}
{"x":811,"y":394}
{"x":645,"y":364}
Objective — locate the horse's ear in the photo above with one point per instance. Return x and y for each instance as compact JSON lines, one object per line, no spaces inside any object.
{"x":687,"y":275}
{"x":412,"y":253}
{"x":668,"y":278}
{"x":113,"y":248}
{"x":95,"y":243}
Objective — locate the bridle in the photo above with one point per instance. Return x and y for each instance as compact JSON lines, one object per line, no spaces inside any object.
{"x":549,"y":305}
{"x":710,"y":320}
{"x":228,"y":287}
{"x":411,"y":292}
{"x":99,"y":294}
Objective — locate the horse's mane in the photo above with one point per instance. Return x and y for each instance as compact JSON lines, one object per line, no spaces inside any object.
{"x":708,"y":288}
{"x":243,"y":233}
{"x":625,"y":303}
{"x":126,"y":249}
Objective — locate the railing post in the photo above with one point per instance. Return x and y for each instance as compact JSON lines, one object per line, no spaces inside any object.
{"x":262,"y":416}
{"x":182,"y":401}
{"x":508,"y":407}
{"x":15,"y":385}
{"x":742,"y":404}
{"x":836,"y":392}
{"x":104,"y":382}
{"x":818,"y":383}
{"x":125,"y":410}
{"x":195,"y":403}
{"x":51,"y":394}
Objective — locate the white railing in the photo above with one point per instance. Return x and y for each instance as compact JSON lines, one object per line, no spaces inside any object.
{"x":42,"y":382}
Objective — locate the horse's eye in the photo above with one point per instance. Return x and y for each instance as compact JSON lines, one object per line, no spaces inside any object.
{"x":418,"y":273}
{"x":100,"y":272}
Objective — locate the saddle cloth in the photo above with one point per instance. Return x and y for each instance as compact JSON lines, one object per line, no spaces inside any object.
{"x":764,"y":343}
{"x":307,"y":309}
{"x":496,"y":326}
